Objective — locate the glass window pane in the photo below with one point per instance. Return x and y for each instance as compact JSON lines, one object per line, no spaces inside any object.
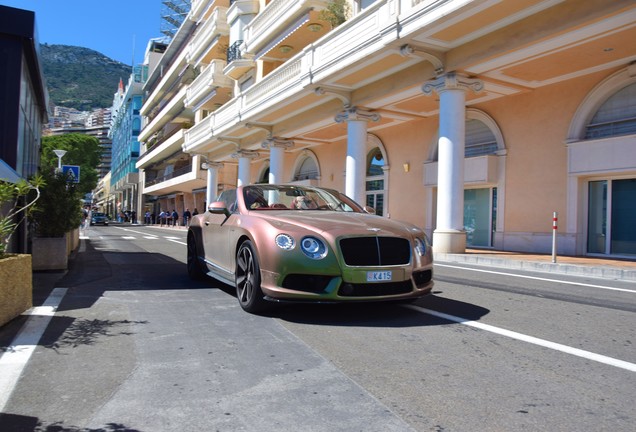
{"x":623,"y":211}
{"x":477,"y":217}
{"x":597,"y":217}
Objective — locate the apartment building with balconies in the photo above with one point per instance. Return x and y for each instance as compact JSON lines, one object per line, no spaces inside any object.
{"x":475,"y":120}
{"x":124,"y":134}
{"x":180,"y":81}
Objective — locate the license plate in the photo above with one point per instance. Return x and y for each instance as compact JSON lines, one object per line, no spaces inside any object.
{"x":378,"y":276}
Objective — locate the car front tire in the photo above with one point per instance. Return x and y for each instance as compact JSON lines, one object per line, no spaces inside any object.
{"x":195,"y":272}
{"x":248,"y":279}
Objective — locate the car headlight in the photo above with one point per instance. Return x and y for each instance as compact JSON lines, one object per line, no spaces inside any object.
{"x":314,"y":248}
{"x":420,"y":246}
{"x":285,"y":241}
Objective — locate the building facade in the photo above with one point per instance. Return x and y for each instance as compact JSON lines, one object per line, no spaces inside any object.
{"x":124,"y":132}
{"x":24,"y":98}
{"x":476,"y":120}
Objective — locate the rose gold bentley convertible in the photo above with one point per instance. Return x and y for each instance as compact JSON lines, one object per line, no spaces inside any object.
{"x":296,"y":243}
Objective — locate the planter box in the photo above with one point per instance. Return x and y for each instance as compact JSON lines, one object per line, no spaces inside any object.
{"x":50,"y":253}
{"x":16,"y":286}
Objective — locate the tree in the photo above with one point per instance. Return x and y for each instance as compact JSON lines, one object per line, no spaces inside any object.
{"x":82,"y":150}
{"x":58,"y":210}
{"x":336,"y":12}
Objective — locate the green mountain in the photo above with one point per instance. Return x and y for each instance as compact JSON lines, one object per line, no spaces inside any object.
{"x":81,"y":78}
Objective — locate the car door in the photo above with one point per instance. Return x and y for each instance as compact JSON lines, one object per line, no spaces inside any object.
{"x":216,"y":236}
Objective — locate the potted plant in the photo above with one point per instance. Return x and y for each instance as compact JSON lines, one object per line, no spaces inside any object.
{"x":16,"y":283}
{"x":58,"y":213}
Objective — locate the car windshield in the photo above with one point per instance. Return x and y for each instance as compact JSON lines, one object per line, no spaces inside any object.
{"x":272,"y":197}
{"x":98,"y":214}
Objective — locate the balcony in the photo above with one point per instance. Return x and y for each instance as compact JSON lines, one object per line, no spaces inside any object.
{"x":161,"y":151}
{"x":184,"y":176}
{"x":172,"y":111}
{"x":478,"y":170}
{"x":207,"y":44}
{"x":201,"y":9}
{"x":292,"y":24}
{"x":236,"y":64}
{"x":211,"y":87}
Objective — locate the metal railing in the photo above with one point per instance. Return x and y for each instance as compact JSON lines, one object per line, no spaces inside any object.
{"x":234,"y":51}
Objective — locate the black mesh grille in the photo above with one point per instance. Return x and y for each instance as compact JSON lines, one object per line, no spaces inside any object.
{"x":375,"y":251}
{"x":307,"y":283}
{"x":422,"y":278}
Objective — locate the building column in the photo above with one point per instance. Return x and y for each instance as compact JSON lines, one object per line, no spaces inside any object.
{"x":213,"y":182}
{"x":356,"y":163}
{"x":244,"y":165}
{"x":277,"y":147}
{"x":449,"y":235}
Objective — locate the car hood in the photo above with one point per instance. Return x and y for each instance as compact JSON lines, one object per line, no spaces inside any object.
{"x":338,"y":224}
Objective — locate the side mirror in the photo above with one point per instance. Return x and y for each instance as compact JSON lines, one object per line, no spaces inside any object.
{"x":218,"y":207}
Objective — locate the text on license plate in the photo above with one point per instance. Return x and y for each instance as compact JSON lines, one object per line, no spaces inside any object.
{"x":378,"y":276}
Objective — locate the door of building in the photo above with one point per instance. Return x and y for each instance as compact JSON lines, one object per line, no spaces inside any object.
{"x":611,"y":210}
{"x":480,"y":209}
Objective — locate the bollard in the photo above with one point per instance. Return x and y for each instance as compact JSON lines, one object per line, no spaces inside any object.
{"x":554,"y":236}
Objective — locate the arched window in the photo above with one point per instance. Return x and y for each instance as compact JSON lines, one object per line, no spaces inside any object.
{"x":307,"y":170}
{"x":375,"y":162}
{"x":480,"y":140}
{"x":375,"y":182}
{"x":616,"y":116}
{"x":264,"y":177}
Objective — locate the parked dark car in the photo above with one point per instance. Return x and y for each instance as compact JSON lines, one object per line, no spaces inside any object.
{"x":99,"y":219}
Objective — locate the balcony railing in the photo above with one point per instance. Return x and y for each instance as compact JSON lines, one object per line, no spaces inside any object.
{"x":234,"y":51}
{"x":173,"y":174}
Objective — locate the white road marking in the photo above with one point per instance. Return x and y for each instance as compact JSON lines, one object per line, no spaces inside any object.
{"x":539,"y":278}
{"x":176,"y":241}
{"x":530,"y":339}
{"x":14,"y":360}
{"x":128,"y":237}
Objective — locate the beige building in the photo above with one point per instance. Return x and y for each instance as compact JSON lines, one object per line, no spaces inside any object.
{"x":476,"y":120}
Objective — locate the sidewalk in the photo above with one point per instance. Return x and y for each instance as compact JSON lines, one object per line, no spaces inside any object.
{"x":595,"y":267}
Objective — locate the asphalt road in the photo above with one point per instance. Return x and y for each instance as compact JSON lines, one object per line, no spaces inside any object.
{"x":136,"y":346}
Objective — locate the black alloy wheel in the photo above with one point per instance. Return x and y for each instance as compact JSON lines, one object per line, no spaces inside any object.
{"x":248,"y":279}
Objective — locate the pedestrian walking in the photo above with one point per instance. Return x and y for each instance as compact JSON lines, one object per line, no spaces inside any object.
{"x":175,"y":217}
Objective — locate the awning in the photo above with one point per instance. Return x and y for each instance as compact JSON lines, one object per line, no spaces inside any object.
{"x":7,"y":173}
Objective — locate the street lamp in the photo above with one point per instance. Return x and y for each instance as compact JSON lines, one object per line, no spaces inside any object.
{"x":59,"y":154}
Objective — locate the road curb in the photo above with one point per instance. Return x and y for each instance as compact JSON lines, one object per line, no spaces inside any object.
{"x":601,"y":272}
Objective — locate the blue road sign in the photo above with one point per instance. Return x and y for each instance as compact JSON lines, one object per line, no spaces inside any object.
{"x":71,"y":173}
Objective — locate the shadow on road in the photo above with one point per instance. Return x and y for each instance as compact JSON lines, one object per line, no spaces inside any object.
{"x":21,"y":423}
{"x":377,"y":314}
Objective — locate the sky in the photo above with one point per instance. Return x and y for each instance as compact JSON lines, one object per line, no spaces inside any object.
{"x":119,"y":29}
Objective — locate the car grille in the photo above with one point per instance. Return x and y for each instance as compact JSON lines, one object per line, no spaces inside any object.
{"x":375,"y":251}
{"x":375,"y":289}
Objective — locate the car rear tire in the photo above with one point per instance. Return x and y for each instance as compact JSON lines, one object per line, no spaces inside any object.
{"x":194,"y":266}
{"x":248,"y":279}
